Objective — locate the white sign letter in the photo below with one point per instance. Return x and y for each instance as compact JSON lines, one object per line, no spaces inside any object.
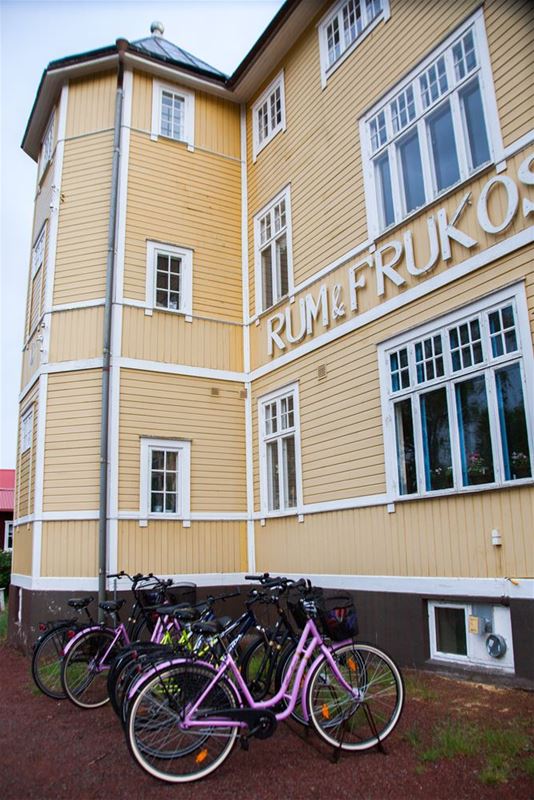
{"x":482,"y":206}
{"x":312,"y":309}
{"x":526,"y":176}
{"x":387,"y":269}
{"x":447,"y":230}
{"x":289,"y":328}
{"x":434,"y":249}
{"x":357,"y":284}
{"x":272,"y":334}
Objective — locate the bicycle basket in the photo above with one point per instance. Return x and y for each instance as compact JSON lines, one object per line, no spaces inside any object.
{"x":338,"y":617}
{"x":182,"y":593}
{"x":151,"y":597}
{"x":294,"y":603}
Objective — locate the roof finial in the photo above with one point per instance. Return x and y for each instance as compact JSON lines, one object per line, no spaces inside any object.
{"x":157,"y":28}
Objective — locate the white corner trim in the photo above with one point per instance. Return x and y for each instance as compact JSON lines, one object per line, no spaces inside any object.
{"x":122,"y":203}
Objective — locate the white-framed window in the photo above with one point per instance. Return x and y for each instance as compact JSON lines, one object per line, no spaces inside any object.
{"x":457,"y":400}
{"x":165,"y":478}
{"x":173,"y":113}
{"x":280,"y":470}
{"x":26,"y":430}
{"x":36,"y":288}
{"x":8,"y":534}
{"x":169,"y":278}
{"x":47,"y":146}
{"x":433,"y":131}
{"x":343,"y":28}
{"x":273,"y":251}
{"x":268,"y":115}
{"x":459,"y":631}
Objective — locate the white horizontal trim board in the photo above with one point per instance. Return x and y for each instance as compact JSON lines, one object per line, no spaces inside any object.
{"x":180,"y":369}
{"x":78,"y":305}
{"x":450,"y":275}
{"x":422,"y":586}
{"x":515,"y":147}
{"x":72,"y":366}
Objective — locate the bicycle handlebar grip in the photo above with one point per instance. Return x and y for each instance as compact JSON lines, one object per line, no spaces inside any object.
{"x":257,"y":577}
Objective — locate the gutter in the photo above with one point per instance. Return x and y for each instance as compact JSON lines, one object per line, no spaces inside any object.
{"x":103,"y":517}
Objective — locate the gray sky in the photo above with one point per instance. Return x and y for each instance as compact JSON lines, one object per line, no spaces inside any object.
{"x":35,"y":32}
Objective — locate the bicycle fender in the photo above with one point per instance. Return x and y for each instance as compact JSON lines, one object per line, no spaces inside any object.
{"x":83,"y":633}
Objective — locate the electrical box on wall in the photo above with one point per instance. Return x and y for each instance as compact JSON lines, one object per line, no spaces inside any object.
{"x":481,"y":619}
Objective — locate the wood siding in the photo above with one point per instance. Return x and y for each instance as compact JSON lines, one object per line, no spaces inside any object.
{"x":447,"y":536}
{"x":69,"y":549}
{"x":25,"y":476}
{"x":170,"y":549}
{"x":23,"y":550}
{"x":76,"y":334}
{"x":176,"y":407}
{"x":71,"y":471}
{"x":91,"y":105}
{"x":167,"y":337}
{"x":319,"y":153}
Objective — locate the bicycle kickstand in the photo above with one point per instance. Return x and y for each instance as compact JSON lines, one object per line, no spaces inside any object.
{"x":379,"y":746}
{"x":336,"y":753}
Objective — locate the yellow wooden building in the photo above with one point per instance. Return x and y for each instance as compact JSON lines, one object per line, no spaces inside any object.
{"x":283,"y":321}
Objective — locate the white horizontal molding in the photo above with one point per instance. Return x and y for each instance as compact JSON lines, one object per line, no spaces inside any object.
{"x":71,"y":366}
{"x":515,"y":147}
{"x":60,"y":516}
{"x":430,"y":285}
{"x":79,"y":305}
{"x":23,"y":520}
{"x":180,"y":369}
{"x":194,"y":516}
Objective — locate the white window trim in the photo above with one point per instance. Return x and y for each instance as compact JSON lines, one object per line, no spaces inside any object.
{"x":256,"y":146}
{"x":183,"y":449}
{"x":493,"y":129}
{"x":158,"y":87}
{"x":35,"y":267}
{"x":516,"y":294}
{"x":42,"y":163}
{"x":258,"y":279}
{"x":26,"y":430}
{"x":292,"y":388}
{"x":186,"y":256}
{"x":8,"y":525}
{"x":322,"y":25}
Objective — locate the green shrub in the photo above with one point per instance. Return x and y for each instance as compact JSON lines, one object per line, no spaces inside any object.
{"x":5,"y":569}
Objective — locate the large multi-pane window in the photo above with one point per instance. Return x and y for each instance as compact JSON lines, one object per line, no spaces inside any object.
{"x":458,"y":406}
{"x":432,"y":131}
{"x":344,"y":27}
{"x":47,"y":146}
{"x":165,"y":477}
{"x":280,"y":462}
{"x":172,"y":113}
{"x":268,"y":115}
{"x":36,"y":287}
{"x":169,"y":277}
{"x":272,"y":232}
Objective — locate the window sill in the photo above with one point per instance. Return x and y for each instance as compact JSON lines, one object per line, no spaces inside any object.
{"x":190,"y":145}
{"x":440,"y":493}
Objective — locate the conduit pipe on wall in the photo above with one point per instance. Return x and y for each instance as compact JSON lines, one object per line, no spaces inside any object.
{"x":122,"y":45}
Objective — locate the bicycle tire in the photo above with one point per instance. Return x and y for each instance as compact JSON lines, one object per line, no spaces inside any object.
{"x":358,"y":722}
{"x":126,"y":664}
{"x":84,"y":681}
{"x":46,"y":660}
{"x":156,"y":739}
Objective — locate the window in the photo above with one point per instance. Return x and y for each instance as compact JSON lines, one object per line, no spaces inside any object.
{"x":38,"y":254}
{"x":169,"y":278}
{"x":268,"y":115}
{"x":456,"y":403}
{"x":280,"y":451}
{"x":272,"y":240}
{"x":173,"y":113}
{"x":26,"y":430}
{"x":432,"y":131}
{"x":344,"y":27}
{"x":47,"y":146}
{"x":165,"y":478}
{"x":8,"y":535}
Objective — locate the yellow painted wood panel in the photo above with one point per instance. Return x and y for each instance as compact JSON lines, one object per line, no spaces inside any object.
{"x":69,"y":549}
{"x":190,"y":200}
{"x":167,"y":548}
{"x":168,"y":338}
{"x":340,"y":415}
{"x":23,"y":550}
{"x":91,"y":104}
{"x":167,"y":406}
{"x":76,"y":334}
{"x":72,"y":448}
{"x":217,"y":121}
{"x":449,"y":536}
{"x":83,"y":219}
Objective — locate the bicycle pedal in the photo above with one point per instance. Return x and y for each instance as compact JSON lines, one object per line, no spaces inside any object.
{"x":244,"y":742}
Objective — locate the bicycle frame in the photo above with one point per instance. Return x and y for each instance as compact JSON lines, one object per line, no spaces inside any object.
{"x":119,"y":632}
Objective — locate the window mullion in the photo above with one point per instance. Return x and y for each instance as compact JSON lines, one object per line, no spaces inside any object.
{"x":395,"y":182}
{"x":281,"y":474}
{"x":459,"y":135}
{"x":426,"y":160}
{"x":274,"y":271}
{"x":454,"y":434}
{"x":418,"y":439}
{"x":495,"y":426}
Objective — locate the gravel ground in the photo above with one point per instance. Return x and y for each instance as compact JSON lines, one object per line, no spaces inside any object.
{"x":54,"y":750}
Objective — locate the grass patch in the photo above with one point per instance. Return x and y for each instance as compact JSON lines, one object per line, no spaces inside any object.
{"x":452,"y":738}
{"x":3,"y":625}
{"x":416,"y":688}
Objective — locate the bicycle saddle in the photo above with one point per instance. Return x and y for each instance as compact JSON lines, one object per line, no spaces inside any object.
{"x":207,"y":627}
{"x":79,"y":602}
{"x":111,"y":605}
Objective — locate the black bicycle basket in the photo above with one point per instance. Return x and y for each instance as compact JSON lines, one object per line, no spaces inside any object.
{"x":182,"y":593}
{"x":294,"y":603}
{"x":338,"y":617}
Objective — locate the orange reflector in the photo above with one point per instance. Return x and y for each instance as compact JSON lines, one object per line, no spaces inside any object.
{"x":352,"y":665}
{"x":201,"y":756}
{"x":326,"y":712}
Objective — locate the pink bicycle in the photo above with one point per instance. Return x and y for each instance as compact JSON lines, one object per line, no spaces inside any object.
{"x":186,"y":715}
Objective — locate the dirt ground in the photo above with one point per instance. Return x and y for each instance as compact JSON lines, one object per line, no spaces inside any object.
{"x":455,"y":740}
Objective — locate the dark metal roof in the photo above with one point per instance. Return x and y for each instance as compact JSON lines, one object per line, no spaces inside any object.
{"x":158,"y":47}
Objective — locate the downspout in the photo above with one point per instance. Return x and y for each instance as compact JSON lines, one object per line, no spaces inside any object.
{"x":121,"y":44}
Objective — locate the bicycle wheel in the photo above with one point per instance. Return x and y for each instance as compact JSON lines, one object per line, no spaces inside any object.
{"x":46,"y":661}
{"x":156,"y":736}
{"x":85,"y":667}
{"x":357,"y":719}
{"x":258,"y":666}
{"x":127,"y":665}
